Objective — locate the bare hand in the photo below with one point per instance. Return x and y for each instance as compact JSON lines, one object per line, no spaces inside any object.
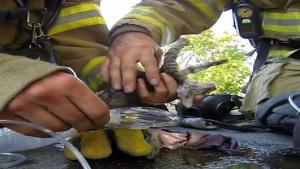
{"x":164,"y":92}
{"x":57,"y":102}
{"x":126,"y":50}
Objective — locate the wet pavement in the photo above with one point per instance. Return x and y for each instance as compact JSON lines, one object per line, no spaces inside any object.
{"x":263,"y":150}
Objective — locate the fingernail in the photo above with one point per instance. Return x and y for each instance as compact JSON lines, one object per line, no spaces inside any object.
{"x":153,"y":81}
{"x":128,"y":89}
{"x":116,"y":86}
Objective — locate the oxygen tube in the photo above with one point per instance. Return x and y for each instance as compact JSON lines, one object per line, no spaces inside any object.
{"x":127,"y":117}
{"x":21,"y":158}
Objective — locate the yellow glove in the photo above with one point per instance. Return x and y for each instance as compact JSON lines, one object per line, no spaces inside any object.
{"x":96,"y":144}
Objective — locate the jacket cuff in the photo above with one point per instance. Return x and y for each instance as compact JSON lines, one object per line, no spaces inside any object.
{"x":128,"y":25}
{"x":19,"y":72}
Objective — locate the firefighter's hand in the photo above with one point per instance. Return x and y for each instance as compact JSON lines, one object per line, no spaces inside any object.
{"x":198,"y":99}
{"x":164,"y":91}
{"x":57,"y":102}
{"x":128,"y":49}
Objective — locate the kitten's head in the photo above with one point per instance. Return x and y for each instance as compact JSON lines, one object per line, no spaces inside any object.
{"x":188,"y":90}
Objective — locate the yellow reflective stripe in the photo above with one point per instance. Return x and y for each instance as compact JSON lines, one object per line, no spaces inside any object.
{"x":205,"y":8}
{"x":281,"y":53}
{"x":282,"y":22}
{"x":90,"y":74}
{"x":82,"y":15}
{"x":280,"y":28}
{"x":91,"y":65}
{"x":96,"y":82}
{"x":76,"y":24}
{"x":221,"y":4}
{"x":282,"y":16}
{"x":150,"y":20}
{"x":78,"y":9}
{"x":167,"y":29}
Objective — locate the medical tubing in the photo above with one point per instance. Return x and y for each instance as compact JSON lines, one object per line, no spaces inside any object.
{"x":294,"y":105}
{"x":20,"y":159}
{"x":77,"y":154}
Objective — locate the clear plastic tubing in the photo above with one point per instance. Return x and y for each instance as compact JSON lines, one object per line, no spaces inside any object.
{"x":78,"y":155}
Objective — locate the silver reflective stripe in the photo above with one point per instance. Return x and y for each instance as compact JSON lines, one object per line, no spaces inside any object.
{"x":76,"y":17}
{"x":208,"y":8}
{"x":281,"y":22}
{"x":212,"y":5}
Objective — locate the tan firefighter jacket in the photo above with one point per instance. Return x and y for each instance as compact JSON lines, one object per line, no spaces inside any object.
{"x":166,"y":20}
{"x":79,"y":33}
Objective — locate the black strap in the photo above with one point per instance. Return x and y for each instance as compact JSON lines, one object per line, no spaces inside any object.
{"x":263,"y":49}
{"x":240,"y":128}
{"x":1,"y":49}
{"x":45,"y":53}
{"x":53,"y":9}
{"x":296,"y":135}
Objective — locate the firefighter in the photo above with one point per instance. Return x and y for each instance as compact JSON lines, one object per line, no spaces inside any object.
{"x":272,"y":27}
{"x":40,"y":41}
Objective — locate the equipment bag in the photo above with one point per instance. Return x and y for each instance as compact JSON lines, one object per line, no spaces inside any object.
{"x":282,"y":113}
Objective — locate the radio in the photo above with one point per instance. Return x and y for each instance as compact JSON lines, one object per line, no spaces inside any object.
{"x":247,"y":20}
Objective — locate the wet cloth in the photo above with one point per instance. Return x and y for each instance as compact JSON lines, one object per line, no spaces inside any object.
{"x":174,"y":138}
{"x":276,"y":77}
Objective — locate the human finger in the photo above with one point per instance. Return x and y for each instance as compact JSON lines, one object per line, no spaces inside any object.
{"x":65,"y":110}
{"x":115,"y":71}
{"x":198,"y":99}
{"x":66,"y":85}
{"x":104,"y":69}
{"x":161,"y":91}
{"x":128,"y":72}
{"x":23,"y":110}
{"x":171,"y":84}
{"x":151,"y":66}
{"x":89,"y":103}
{"x":142,"y":89}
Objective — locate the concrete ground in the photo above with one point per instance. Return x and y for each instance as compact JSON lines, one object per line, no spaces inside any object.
{"x":264,"y":150}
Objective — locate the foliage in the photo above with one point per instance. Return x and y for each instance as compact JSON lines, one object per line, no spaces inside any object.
{"x":229,"y":77}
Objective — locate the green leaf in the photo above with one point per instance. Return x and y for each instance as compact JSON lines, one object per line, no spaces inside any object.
{"x":229,"y":77}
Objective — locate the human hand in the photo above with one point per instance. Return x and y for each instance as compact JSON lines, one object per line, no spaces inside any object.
{"x":198,"y":99}
{"x":164,"y":91}
{"x":128,"y":49}
{"x":57,"y":102}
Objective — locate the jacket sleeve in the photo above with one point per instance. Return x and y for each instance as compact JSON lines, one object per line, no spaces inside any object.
{"x":80,"y":33}
{"x":17,"y":72}
{"x":166,"y":20}
{"x":81,"y":38}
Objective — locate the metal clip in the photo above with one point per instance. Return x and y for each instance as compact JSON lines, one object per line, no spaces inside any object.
{"x":39,"y":30}
{"x":28,"y":24}
{"x":37,"y":33}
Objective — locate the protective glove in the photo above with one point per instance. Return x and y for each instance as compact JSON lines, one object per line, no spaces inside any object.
{"x":96,"y":144}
